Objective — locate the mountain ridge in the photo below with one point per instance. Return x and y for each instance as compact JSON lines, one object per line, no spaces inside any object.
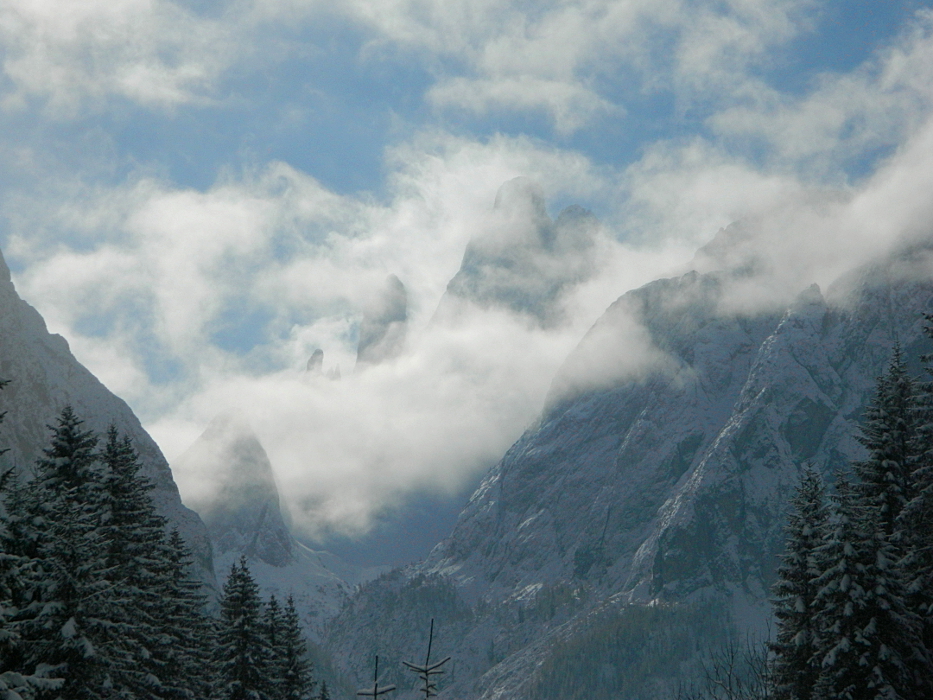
{"x":661,"y":482}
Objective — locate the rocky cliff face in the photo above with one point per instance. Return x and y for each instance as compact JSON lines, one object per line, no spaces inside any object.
{"x":650,"y":497}
{"x":239,"y":502}
{"x":45,"y":377}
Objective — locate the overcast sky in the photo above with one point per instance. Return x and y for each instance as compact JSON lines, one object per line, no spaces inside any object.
{"x":199,"y":194}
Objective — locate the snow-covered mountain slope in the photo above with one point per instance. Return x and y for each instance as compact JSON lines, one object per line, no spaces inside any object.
{"x":239,"y":502}
{"x":648,"y":501}
{"x":45,"y":377}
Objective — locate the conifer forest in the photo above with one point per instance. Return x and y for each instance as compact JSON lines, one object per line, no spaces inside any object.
{"x":97,"y":600}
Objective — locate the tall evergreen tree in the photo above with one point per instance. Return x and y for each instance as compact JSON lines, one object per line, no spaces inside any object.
{"x":20,"y":577}
{"x":891,"y":434}
{"x":139,"y":566}
{"x":242,"y":652}
{"x":297,"y":681}
{"x":796,"y":663}
{"x":189,"y":635}
{"x":273,"y":627}
{"x":916,"y":522}
{"x":80,"y":608}
{"x":866,"y":633}
{"x":18,"y":680}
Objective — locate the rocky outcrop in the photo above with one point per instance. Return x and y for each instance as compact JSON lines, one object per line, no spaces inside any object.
{"x":239,"y":501}
{"x":45,"y":377}
{"x":315,"y":365}
{"x":384,"y":325}
{"x":522,"y":260}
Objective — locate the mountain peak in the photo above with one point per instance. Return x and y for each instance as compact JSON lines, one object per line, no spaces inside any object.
{"x":521,"y":260}
{"x":522,"y":196}
{"x":4,"y":270}
{"x":384,"y":325}
{"x":242,"y":508}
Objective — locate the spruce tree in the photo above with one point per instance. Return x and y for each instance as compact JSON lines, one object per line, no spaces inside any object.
{"x":891,"y":435}
{"x":242,"y":653}
{"x":866,"y":633}
{"x":273,"y":628}
{"x":916,"y":524}
{"x":189,"y":635}
{"x":80,"y":609}
{"x":796,"y":666}
{"x":297,"y":681}
{"x":20,"y":677}
{"x":138,"y":566}
{"x":18,"y":578}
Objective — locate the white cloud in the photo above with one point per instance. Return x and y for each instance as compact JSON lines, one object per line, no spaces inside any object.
{"x":158,"y":270}
{"x":559,"y":57}
{"x":570,"y":104}
{"x":875,"y":106}
{"x":69,"y":52}
{"x":570,"y":59}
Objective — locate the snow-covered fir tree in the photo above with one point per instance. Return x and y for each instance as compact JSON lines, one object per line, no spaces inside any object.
{"x":81,"y":611}
{"x":19,"y":680}
{"x":796,"y":666}
{"x":297,"y":682}
{"x":91,"y":588}
{"x":916,"y":522}
{"x":242,"y":652}
{"x":867,"y":635}
{"x":891,"y":435}
{"x":189,"y":634}
{"x":137,"y":565}
{"x":273,"y":623}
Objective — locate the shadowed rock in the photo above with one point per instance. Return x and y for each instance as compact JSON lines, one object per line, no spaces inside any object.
{"x":384,"y":325}
{"x":522,"y":260}
{"x":241,"y":511}
{"x":316,"y":363}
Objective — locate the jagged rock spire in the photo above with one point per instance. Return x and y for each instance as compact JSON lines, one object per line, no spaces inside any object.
{"x":239,"y":501}
{"x":384,"y":325}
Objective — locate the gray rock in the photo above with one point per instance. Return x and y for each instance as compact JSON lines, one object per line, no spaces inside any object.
{"x":384,"y":325}
{"x":242,"y":510}
{"x":316,"y":363}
